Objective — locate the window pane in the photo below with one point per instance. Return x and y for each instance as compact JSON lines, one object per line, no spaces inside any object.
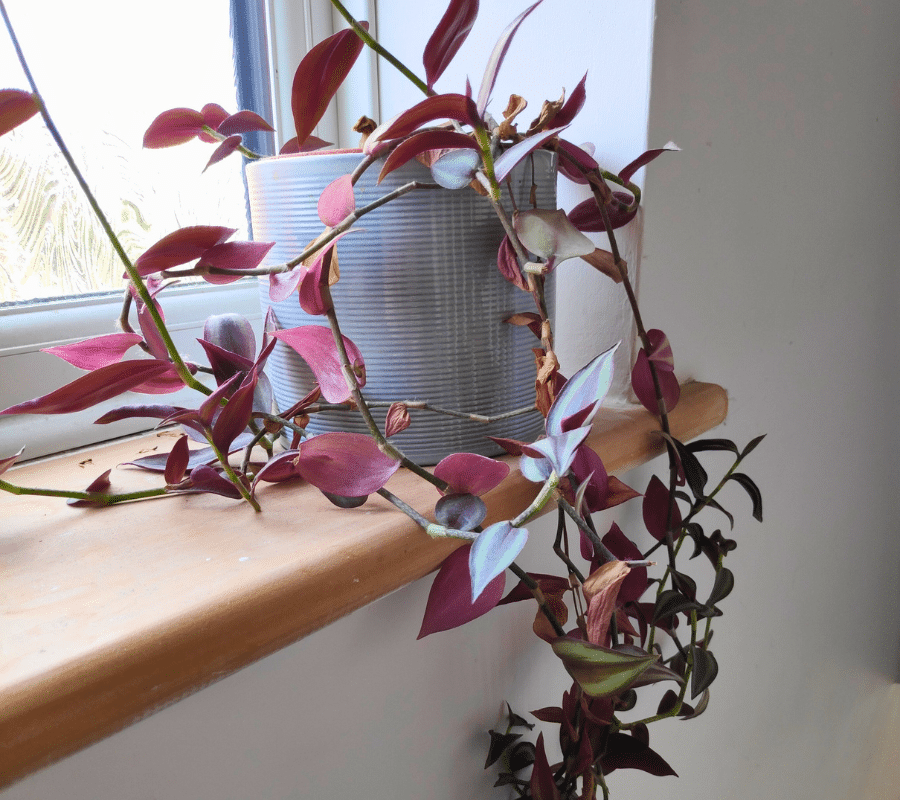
{"x":105,"y":74}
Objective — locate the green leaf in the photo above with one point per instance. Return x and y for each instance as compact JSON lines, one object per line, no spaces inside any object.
{"x":752,"y":446}
{"x":700,"y":707}
{"x":693,"y":470}
{"x":714,"y":504}
{"x":685,"y":584}
{"x":704,"y":672}
{"x":753,"y":490}
{"x":499,"y":743}
{"x":516,"y":721}
{"x":713,"y":444}
{"x":722,"y":586}
{"x":672,"y":602}
{"x":599,"y":671}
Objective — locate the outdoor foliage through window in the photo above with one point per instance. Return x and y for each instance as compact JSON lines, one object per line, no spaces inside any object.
{"x":98,"y":75}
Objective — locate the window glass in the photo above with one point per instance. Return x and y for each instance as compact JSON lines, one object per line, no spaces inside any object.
{"x":105,"y":74}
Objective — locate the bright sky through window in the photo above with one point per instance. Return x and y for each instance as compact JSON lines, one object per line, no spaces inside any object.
{"x":106,"y":69}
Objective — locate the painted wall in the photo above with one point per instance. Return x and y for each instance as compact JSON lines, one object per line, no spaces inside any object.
{"x":770,"y":260}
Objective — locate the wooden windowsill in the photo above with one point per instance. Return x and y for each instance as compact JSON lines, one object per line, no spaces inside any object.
{"x":111,"y":614}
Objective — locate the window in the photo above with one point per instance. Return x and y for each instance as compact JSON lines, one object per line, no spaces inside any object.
{"x":103,"y":86}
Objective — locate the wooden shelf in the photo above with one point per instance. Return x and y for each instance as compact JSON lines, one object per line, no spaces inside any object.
{"x":111,"y":614}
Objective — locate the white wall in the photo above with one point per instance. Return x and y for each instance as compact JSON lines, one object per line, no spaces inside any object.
{"x":769,"y":253}
{"x":770,"y":258}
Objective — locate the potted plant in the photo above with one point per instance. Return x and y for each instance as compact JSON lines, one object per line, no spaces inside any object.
{"x":630,"y":626}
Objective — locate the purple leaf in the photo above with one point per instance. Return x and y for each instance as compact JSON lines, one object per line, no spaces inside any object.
{"x":98,"y":486}
{"x":212,"y":405}
{"x":508,"y":265}
{"x":152,"y":336}
{"x":471,"y":473}
{"x":624,"y":549}
{"x":234,"y":417}
{"x":207,"y":479}
{"x":277,"y":469}
{"x":283,"y":284}
{"x":177,"y":461}
{"x":542,"y":786}
{"x":224,"y":364}
{"x":660,"y":350}
{"x":456,"y":169}
{"x":175,"y":126}
{"x":213,"y":116}
{"x":508,"y":160}
{"x":315,"y":345}
{"x":589,"y":471}
{"x":6,"y":463}
{"x":243,"y":122}
{"x":95,"y":387}
{"x":464,"y":512}
{"x":492,"y":552}
{"x":315,"y":299}
{"x":629,"y":752}
{"x":450,"y":599}
{"x":644,"y":159}
{"x":129,"y":412}
{"x":457,"y":107}
{"x":157,"y":462}
{"x":181,"y":246}
{"x":337,"y":201}
{"x":642,"y":383}
{"x":233,"y":255}
{"x":232,"y":333}
{"x":586,"y":217}
{"x":97,"y":352}
{"x":448,"y":37}
{"x":311,"y":143}
{"x":16,"y":107}
{"x":225,"y":149}
{"x":572,"y":106}
{"x":319,"y":76}
{"x":497,"y":56}
{"x":348,"y":464}
{"x":585,"y":161}
{"x":422,"y":143}
{"x":656,"y":509}
{"x":166,"y":382}
{"x":586,"y":387}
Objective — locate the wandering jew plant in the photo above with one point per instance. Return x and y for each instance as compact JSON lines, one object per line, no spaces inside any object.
{"x":626,"y":630}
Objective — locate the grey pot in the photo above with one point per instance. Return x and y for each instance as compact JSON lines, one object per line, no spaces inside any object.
{"x":419,"y":294}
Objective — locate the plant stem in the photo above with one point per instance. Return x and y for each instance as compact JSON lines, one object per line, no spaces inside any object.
{"x":421,"y":405}
{"x":94,"y":497}
{"x":183,"y":372}
{"x":383,"y":444}
{"x":317,"y":245}
{"x":363,"y":34}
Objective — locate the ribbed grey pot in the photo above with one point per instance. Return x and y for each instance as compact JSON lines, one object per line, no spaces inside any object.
{"x":419,"y":294}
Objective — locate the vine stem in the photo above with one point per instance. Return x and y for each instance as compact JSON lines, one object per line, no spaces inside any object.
{"x":314,"y":248}
{"x":383,"y":444}
{"x":93,"y":497}
{"x":421,"y":405}
{"x":363,"y":34}
{"x":183,"y":372}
